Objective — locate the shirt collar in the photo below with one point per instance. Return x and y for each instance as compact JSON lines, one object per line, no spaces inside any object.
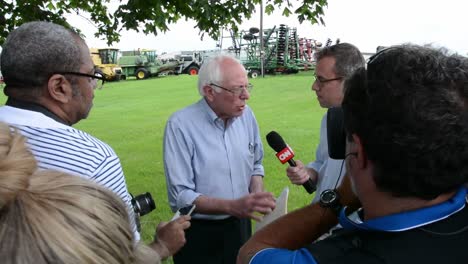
{"x":409,"y":219}
{"x":212,"y":115}
{"x":209,"y":112}
{"x":33,"y":107}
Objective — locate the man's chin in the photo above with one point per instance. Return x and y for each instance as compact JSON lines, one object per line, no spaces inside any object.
{"x":86,"y":115}
{"x":323,"y":105}
{"x":239,"y":113}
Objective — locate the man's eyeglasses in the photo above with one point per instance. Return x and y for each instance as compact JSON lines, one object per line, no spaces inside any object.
{"x":321,"y":81}
{"x":236,"y":91}
{"x":97,"y":77}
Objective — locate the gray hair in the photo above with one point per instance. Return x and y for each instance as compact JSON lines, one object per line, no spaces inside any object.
{"x":348,"y":58}
{"x":35,"y":50}
{"x":212,"y":72}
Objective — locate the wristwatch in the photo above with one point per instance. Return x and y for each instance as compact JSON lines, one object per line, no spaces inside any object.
{"x":330,"y":198}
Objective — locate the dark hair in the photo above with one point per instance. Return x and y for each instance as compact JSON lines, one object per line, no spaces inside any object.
{"x":348,"y":58}
{"x":410,"y":109}
{"x":35,"y":50}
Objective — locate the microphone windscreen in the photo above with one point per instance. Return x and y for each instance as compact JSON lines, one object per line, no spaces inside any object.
{"x":275,"y":141}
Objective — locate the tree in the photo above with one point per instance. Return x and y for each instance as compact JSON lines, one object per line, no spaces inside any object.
{"x":150,"y":16}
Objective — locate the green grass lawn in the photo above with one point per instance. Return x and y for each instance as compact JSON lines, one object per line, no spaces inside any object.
{"x":131,"y":115}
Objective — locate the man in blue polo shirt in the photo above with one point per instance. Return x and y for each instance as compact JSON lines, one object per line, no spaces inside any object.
{"x":406,"y":120}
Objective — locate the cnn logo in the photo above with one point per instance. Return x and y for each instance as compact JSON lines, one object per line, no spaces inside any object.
{"x":285,"y":154}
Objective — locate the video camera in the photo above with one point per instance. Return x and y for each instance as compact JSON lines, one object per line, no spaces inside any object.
{"x":142,"y":204}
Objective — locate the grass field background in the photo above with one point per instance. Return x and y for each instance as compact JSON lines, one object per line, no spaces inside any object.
{"x":130,"y":116}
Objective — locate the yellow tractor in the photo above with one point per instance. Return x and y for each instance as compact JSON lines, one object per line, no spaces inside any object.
{"x":106,"y":60}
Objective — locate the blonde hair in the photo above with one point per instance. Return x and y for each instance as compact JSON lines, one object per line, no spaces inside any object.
{"x":51,"y":217}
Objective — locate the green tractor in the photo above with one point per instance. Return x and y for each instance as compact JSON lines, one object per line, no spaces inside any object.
{"x":144,"y":63}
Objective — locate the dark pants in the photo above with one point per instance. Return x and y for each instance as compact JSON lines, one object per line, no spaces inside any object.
{"x":214,"y":241}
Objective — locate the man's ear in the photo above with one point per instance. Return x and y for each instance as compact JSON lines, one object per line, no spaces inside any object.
{"x":59,"y":88}
{"x":361,"y":155}
{"x":209,"y":92}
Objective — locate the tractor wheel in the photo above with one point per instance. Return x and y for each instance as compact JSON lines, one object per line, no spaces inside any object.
{"x":141,"y":74}
{"x":193,"y":70}
{"x":254,"y":74}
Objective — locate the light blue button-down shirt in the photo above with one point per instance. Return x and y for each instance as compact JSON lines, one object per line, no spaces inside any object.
{"x":202,"y":156}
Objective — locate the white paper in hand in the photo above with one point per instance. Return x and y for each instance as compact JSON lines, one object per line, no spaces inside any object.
{"x":188,"y":210}
{"x":280,"y":209}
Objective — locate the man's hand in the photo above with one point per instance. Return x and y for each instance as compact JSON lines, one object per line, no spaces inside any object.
{"x":247,"y":206}
{"x":170,"y":236}
{"x":300,"y":174}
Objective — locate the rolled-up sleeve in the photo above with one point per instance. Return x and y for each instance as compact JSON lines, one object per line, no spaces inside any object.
{"x":178,"y":152}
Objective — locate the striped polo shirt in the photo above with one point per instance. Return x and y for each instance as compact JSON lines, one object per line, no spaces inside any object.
{"x":60,"y":147}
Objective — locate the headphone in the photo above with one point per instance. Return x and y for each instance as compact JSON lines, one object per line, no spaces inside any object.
{"x":336,"y":135}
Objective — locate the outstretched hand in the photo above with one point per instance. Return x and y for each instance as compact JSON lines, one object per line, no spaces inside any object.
{"x":249,"y":205}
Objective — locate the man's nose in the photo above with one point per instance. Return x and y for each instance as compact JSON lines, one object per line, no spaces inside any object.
{"x":245,"y":94}
{"x":315,"y":86}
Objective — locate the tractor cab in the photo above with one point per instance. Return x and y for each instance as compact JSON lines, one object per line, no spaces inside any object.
{"x":106,"y":60}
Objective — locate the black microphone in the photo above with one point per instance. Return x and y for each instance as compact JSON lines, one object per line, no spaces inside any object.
{"x":285,"y":154}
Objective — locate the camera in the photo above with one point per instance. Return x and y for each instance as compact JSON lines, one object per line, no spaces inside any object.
{"x":142,"y":204}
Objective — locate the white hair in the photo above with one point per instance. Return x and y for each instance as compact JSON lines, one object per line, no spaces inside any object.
{"x":212,"y":72}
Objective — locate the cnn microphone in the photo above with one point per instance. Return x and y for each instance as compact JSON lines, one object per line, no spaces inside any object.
{"x":285,"y":154}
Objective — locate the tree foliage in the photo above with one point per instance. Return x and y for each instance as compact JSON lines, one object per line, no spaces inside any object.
{"x":150,"y":16}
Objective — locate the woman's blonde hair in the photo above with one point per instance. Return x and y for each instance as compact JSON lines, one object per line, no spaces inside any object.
{"x":51,"y":217}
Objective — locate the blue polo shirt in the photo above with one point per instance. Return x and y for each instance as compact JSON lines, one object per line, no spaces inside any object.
{"x":391,"y":223}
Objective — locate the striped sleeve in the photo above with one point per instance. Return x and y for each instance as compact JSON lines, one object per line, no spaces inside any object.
{"x":78,"y":153}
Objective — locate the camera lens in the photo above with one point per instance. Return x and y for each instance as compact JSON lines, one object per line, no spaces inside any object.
{"x":143,"y":204}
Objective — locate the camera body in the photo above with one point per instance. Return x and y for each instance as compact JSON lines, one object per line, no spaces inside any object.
{"x":142,"y":204}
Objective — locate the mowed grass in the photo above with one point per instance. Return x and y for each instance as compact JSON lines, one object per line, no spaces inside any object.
{"x":130,"y":116}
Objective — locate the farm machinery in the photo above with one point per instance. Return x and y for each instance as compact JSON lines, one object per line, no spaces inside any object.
{"x":283,"y":51}
{"x":144,"y":63}
{"x":190,"y":62}
{"x":106,"y":61}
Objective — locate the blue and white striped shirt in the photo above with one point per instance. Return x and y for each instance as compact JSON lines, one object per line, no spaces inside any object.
{"x":203,"y":157}
{"x":60,"y":147}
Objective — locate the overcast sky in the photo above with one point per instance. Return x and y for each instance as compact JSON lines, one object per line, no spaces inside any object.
{"x":365,"y":23}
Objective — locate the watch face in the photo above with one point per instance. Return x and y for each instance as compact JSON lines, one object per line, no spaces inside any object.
{"x":331,"y":199}
{"x":328,"y":196}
